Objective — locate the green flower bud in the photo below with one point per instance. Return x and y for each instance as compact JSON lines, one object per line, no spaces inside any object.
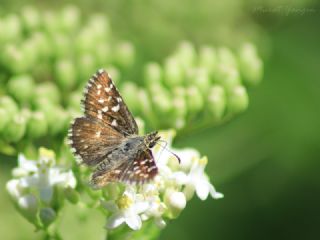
{"x":66,"y":75}
{"x":12,"y":28}
{"x":84,"y":42}
{"x":227,"y":76}
{"x":152,"y":74}
{"x":238,"y":100}
{"x":176,"y":202}
{"x":4,"y":118}
{"x":74,"y":100}
{"x":28,"y":206}
{"x":46,"y":90}
{"x":194,"y":99}
{"x":15,"y":130}
{"x":47,"y":216}
{"x":30,"y":18}
{"x":58,"y":121}
{"x":102,"y":54}
{"x":226,"y":57}
{"x":145,"y":106}
{"x":43,"y":44}
{"x":100,"y":27}
{"x":179,"y":110}
{"x":9,"y":105}
{"x":129,"y":91}
{"x":37,"y":125}
{"x":200,"y":78}
{"x":217,"y":101}
{"x":70,"y":18}
{"x":30,"y":53}
{"x":251,"y":66}
{"x":173,"y":72}
{"x":186,"y":55}
{"x":72,"y":195}
{"x":161,"y":99}
{"x":61,"y":45}
{"x":86,"y":65}
{"x":124,"y":54}
{"x":51,"y":22}
{"x":14,"y":59}
{"x":208,"y":59}
{"x":21,"y":87}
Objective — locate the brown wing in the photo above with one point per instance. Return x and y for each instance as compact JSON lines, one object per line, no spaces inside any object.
{"x":90,"y":140}
{"x":102,"y":101}
{"x":142,"y":169}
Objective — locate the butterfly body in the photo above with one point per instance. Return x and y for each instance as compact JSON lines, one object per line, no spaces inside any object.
{"x":106,"y":137}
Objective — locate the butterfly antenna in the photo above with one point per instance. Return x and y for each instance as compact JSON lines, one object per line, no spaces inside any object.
{"x":164,"y":147}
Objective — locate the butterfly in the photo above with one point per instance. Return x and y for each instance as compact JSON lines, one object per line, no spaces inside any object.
{"x":106,"y":137}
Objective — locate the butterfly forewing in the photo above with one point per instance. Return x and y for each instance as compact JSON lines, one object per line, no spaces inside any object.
{"x":103,"y":102}
{"x":91,"y":140}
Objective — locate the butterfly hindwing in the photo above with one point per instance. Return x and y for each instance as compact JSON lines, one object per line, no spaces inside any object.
{"x":103,"y":102}
{"x":141,"y":168}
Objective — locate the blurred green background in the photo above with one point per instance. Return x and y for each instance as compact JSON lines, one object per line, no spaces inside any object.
{"x":265,"y":160}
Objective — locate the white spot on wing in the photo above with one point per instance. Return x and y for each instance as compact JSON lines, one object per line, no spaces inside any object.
{"x":114,"y":123}
{"x":116,"y":108}
{"x":101,"y":100}
{"x":105,"y":109}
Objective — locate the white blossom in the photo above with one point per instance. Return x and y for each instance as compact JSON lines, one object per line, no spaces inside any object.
{"x":126,"y":209}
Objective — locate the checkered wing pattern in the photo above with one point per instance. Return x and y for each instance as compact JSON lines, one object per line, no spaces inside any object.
{"x":141,"y":169}
{"x":91,"y":140}
{"x":102,"y":101}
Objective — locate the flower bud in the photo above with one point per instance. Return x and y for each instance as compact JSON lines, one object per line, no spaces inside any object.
{"x":176,"y":202}
{"x":15,"y":129}
{"x":66,"y":75}
{"x":70,"y":18}
{"x":51,"y":22}
{"x":124,"y":54}
{"x":30,"y":18}
{"x":4,"y":118}
{"x":103,"y":54}
{"x":14,"y":59}
{"x":42,"y":41}
{"x":14,"y":189}
{"x":129,"y":91}
{"x":47,"y":216}
{"x":238,"y":99}
{"x":217,"y":101}
{"x":21,"y":87}
{"x":8,"y":104}
{"x":173,"y":72}
{"x":100,"y":27}
{"x":194,"y":99}
{"x":61,"y":45}
{"x":226,"y":57}
{"x":161,"y":99}
{"x":86,"y":65}
{"x":28,"y":205}
{"x":48,"y":91}
{"x":13,"y":28}
{"x":251,"y":66}
{"x":200,"y":78}
{"x":72,"y":195}
{"x":227,"y":75}
{"x":37,"y":125}
{"x":186,"y":55}
{"x":152,"y":74}
{"x":208,"y":59}
{"x":74,"y":100}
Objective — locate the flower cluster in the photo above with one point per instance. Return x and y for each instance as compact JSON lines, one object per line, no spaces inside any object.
{"x":167,"y":195}
{"x":36,"y":185}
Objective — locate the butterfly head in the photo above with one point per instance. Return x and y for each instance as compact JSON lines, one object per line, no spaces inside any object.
{"x":151,"y":139}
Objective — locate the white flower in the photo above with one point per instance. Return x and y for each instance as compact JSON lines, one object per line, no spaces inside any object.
{"x":196,"y":180}
{"x":41,"y":175}
{"x":126,"y":210}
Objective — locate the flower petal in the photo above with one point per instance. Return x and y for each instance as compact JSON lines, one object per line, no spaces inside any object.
{"x":140,"y":207}
{"x":115,"y":220}
{"x":134,"y":221}
{"x":202,"y":189}
{"x":214,"y":194}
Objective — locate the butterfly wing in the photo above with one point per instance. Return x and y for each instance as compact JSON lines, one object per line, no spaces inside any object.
{"x":102,"y":101}
{"x":142,"y":168}
{"x":91,"y":140}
